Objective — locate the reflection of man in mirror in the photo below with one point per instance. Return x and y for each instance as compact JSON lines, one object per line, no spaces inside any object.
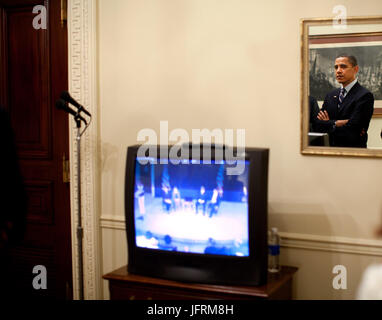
{"x":346,"y":111}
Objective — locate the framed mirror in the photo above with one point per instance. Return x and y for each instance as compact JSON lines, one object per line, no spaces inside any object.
{"x":352,"y":122}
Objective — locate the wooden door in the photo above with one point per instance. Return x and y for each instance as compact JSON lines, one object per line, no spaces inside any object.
{"x":33,"y":73}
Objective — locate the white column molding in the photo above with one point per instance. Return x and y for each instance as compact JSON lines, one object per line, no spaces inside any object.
{"x":83,"y":87}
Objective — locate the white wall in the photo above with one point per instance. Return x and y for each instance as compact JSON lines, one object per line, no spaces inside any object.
{"x":235,"y":64}
{"x":374,"y":133}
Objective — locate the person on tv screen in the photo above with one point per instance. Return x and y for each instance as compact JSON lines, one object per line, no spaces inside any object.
{"x":244,"y":197}
{"x":213,"y":248}
{"x":166,"y":200}
{"x":217,"y":195}
{"x":147,"y":241}
{"x":140,"y":195}
{"x":346,"y":111}
{"x":167,"y":244}
{"x":202,"y":200}
{"x":177,"y":201}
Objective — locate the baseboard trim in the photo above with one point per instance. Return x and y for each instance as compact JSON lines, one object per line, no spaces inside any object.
{"x":325,"y":243}
{"x":112,"y":222}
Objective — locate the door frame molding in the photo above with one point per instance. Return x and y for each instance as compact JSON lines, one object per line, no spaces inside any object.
{"x":82,"y":73}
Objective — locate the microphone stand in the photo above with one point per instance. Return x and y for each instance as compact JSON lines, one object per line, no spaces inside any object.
{"x":79,"y":217}
{"x":63,"y":104}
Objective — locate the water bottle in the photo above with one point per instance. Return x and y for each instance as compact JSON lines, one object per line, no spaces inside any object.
{"x":274,"y":251}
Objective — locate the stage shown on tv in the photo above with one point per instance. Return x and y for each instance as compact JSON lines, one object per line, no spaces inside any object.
{"x":194,"y":208}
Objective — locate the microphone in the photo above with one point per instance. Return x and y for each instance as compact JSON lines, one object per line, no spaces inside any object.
{"x":68,"y":98}
{"x":61,"y":104}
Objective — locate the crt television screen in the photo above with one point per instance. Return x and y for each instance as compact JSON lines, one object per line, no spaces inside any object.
{"x":191,"y":207}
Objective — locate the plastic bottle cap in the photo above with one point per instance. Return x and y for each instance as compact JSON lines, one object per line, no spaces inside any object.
{"x":275,"y":230}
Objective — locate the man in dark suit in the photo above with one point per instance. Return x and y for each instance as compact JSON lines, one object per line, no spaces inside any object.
{"x":347,"y":111}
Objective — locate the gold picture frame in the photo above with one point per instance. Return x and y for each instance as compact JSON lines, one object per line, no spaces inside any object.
{"x":322,"y":36}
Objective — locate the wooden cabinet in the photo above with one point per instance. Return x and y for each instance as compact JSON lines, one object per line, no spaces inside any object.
{"x":125,"y":286}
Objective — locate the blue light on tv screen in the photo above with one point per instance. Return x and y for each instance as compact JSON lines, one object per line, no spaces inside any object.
{"x":193,"y":208}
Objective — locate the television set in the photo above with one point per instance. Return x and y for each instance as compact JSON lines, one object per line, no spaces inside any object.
{"x":197,"y":213}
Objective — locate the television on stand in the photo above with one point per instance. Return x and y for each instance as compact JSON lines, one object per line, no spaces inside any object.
{"x":197,"y":213}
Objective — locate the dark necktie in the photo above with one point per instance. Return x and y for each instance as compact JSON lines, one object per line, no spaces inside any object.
{"x":341,"y":97}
